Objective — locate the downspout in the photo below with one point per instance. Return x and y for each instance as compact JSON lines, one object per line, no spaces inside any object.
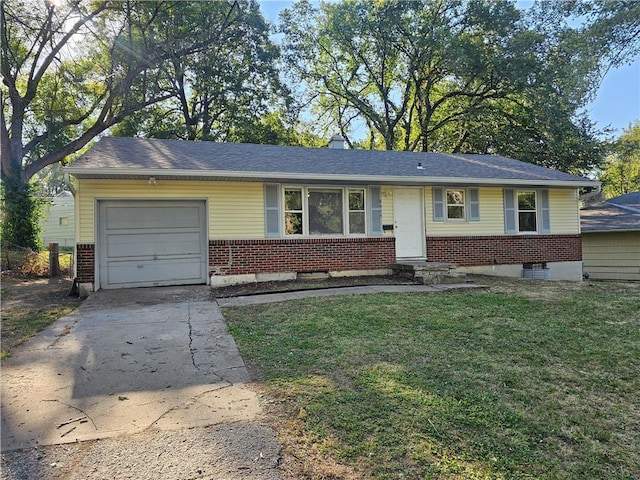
{"x":67,"y":182}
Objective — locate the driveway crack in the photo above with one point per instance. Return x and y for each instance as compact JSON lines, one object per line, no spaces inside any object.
{"x":191,"y":349}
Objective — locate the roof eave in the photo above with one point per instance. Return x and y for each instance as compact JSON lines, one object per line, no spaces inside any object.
{"x":610,"y":230}
{"x":279,"y":176}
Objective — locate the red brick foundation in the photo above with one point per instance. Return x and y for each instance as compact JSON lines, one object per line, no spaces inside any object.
{"x":504,"y":249}
{"x":236,"y":257}
{"x":85,"y":259}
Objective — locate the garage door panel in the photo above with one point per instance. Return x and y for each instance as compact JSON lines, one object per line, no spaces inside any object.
{"x":153,"y":272}
{"x":144,"y":217}
{"x":148,"y":243}
{"x":159,"y":244}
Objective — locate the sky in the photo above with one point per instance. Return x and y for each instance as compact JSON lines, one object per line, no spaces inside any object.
{"x":616,"y":104}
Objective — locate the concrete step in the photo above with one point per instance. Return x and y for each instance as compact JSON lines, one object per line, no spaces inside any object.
{"x":429,"y":273}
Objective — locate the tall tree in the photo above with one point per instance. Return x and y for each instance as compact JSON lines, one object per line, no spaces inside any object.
{"x":449,"y":75}
{"x":621,"y":172}
{"x":220,"y":91}
{"x":74,"y":68}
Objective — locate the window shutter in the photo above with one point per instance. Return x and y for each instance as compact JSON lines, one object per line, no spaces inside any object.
{"x":509,"y":211}
{"x":545,"y":224}
{"x":474,"y":205}
{"x":271,"y":210}
{"x":438,"y":205}
{"x":376,"y":210}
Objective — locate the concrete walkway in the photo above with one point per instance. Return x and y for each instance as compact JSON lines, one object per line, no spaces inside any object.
{"x":125,"y":362}
{"x":332,"y":292}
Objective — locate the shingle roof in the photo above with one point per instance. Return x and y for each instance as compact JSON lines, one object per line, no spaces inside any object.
{"x":617,"y":214}
{"x":114,"y":157}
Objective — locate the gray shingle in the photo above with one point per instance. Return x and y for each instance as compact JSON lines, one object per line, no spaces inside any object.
{"x":616,"y":214}
{"x":118,"y":156}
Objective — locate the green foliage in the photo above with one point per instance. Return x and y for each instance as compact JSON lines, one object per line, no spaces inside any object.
{"x":480,"y":77}
{"x":22,"y":210}
{"x":621,"y":172}
{"x":222,"y":92}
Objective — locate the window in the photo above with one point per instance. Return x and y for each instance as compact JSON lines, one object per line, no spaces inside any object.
{"x":293,"y":219}
{"x":64,"y":221}
{"x":324,"y":211}
{"x":455,"y":205}
{"x":356,"y":211}
{"x":527,"y":211}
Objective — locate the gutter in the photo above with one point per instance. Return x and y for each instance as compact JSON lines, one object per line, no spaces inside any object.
{"x":161,"y":173}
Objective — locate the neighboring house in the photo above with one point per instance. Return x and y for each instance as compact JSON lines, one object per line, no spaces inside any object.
{"x":611,"y":238}
{"x":164,"y":212}
{"x":58,"y":224}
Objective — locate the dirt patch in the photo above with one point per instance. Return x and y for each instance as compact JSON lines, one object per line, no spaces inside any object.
{"x":21,"y":291}
{"x":299,"y":285}
{"x":29,"y":304}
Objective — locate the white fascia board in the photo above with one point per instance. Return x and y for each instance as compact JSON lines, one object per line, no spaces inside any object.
{"x":278,"y":176}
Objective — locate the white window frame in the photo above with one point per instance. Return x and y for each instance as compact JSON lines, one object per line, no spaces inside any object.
{"x":465,"y":197}
{"x":285,"y":211}
{"x":345,"y":190}
{"x":534,"y":211}
{"x":348,"y":210}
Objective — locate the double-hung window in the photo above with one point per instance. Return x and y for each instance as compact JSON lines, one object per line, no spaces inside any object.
{"x":527,"y":221}
{"x":456,"y":204}
{"x":526,"y":211}
{"x":293,"y":212}
{"x":317,"y":211}
{"x":357,"y":212}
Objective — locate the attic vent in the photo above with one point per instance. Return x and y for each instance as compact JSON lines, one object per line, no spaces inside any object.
{"x":420,"y":166}
{"x":337,"y":142}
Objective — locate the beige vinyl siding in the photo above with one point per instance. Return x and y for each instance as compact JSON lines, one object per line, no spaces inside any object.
{"x":564,"y":211}
{"x":491,"y":216}
{"x":387,"y":207}
{"x":611,"y":255}
{"x":236,"y":209}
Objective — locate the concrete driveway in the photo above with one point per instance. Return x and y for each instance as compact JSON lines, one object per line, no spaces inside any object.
{"x":125,"y":362}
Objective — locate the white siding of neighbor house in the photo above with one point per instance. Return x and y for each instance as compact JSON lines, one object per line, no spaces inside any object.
{"x":611,"y":255}
{"x":236,"y":209}
{"x":52,"y":229}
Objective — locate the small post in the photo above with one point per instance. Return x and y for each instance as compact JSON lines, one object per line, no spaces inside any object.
{"x":54,"y":260}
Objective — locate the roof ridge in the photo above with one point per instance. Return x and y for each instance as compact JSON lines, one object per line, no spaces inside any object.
{"x":624,"y":207}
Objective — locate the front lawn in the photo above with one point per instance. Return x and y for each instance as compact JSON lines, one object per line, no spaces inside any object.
{"x":531,"y":380}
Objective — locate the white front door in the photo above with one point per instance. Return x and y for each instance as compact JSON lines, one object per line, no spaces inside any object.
{"x":408,"y":213}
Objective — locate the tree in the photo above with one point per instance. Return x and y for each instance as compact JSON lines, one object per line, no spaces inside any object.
{"x":73,"y":69}
{"x":446,"y":75}
{"x":621,"y":172}
{"x":220,"y":91}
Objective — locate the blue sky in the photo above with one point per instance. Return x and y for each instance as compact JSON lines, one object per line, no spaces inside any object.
{"x":617,"y":102}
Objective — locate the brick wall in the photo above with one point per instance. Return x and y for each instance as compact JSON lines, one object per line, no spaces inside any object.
{"x":504,"y":249}
{"x":85,"y":259}
{"x":301,"y":255}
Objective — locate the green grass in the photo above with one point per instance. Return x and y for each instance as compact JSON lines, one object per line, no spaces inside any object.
{"x":463,"y":385}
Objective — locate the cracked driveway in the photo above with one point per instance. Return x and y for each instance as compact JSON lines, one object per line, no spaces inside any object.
{"x":127,"y":361}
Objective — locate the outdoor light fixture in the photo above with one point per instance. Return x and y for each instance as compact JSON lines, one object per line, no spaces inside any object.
{"x":152,"y":181}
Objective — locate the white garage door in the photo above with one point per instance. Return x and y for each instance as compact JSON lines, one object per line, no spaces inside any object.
{"x":152,"y":243}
